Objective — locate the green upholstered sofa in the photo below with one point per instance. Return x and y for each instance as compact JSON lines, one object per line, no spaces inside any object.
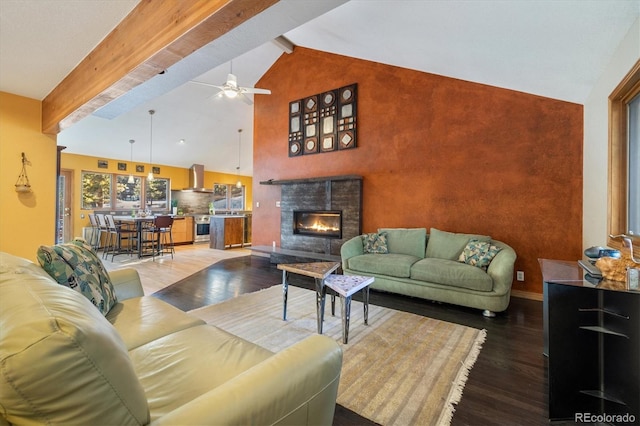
{"x":429,"y":266}
{"x":62,"y":361}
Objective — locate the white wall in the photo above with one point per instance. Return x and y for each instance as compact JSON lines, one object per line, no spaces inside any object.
{"x":596,"y":130}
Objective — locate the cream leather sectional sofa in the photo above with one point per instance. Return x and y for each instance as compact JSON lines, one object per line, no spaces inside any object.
{"x":63,"y":362}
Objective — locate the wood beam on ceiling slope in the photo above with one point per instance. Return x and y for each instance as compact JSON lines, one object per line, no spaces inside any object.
{"x":154,"y":36}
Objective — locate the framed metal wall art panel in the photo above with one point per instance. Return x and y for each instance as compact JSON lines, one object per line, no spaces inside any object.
{"x":324,"y":122}
{"x":347,"y":117}
{"x":295,"y":128}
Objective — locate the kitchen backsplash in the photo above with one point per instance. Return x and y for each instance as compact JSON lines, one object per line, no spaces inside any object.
{"x":192,"y":202}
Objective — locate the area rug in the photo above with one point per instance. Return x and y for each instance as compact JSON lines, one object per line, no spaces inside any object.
{"x":400,"y":369}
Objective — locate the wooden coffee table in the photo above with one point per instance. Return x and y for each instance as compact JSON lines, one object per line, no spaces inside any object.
{"x":317,"y":270}
{"x":346,"y":286}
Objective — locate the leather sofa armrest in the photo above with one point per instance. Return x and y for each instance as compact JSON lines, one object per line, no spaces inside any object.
{"x":298,"y":385}
{"x":501,"y":269}
{"x":126,"y":283}
{"x":352,"y":247}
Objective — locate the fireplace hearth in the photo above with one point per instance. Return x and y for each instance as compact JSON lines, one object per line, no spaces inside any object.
{"x":318,"y":223}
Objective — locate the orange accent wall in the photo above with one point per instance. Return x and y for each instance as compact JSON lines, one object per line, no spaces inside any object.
{"x":434,"y":152}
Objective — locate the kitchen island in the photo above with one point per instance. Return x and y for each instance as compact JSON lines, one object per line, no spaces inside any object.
{"x":227,"y":231}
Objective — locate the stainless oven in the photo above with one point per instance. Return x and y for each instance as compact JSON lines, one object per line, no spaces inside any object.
{"x":201,"y":225}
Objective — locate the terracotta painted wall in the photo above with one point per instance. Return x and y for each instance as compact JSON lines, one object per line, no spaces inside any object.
{"x":27,"y":220}
{"x":434,"y":152}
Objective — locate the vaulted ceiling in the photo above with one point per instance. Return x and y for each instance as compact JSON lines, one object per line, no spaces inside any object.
{"x":556,"y":49}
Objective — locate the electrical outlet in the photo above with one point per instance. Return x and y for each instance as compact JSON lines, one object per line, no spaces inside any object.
{"x":520,"y":275}
{"x":257,"y":203}
{"x":277,"y":203}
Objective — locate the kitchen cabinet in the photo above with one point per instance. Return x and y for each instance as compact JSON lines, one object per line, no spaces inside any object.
{"x":226,"y":231}
{"x":182,"y":230}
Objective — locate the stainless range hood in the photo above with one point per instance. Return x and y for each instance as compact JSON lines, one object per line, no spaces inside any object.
{"x":196,"y":179}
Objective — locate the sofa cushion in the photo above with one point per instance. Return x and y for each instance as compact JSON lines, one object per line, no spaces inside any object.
{"x":478,"y":253}
{"x":375,"y":243}
{"x":451,"y":273}
{"x":449,"y":245}
{"x":56,"y":346}
{"x":392,"y":264}
{"x":173,"y":374}
{"x":411,"y":241}
{"x":77,"y":266}
{"x":141,"y":320}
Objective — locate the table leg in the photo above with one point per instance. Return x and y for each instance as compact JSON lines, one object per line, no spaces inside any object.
{"x":285,"y":293}
{"x":321,"y":293}
{"x":365,"y":300}
{"x":346,"y":316}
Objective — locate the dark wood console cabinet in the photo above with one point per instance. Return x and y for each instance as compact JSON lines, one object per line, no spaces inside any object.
{"x":592,"y":339}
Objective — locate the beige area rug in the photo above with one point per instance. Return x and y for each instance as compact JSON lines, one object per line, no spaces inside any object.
{"x":400,"y":369}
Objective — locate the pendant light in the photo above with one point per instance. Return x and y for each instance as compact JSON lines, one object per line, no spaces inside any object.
{"x":150,"y":175}
{"x":239,"y":182}
{"x":131,"y":180}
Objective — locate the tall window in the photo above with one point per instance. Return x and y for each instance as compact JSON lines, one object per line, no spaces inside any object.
{"x":624,"y":153}
{"x":633,"y":210}
{"x":128,"y":195}
{"x":157,"y":194}
{"x":96,"y":191}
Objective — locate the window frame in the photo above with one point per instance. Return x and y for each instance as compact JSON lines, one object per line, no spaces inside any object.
{"x":618,"y":179}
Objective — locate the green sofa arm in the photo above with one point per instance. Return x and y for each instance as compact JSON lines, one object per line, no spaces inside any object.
{"x":126,"y":283}
{"x":298,"y":385}
{"x":501,"y":269}
{"x":349,"y":249}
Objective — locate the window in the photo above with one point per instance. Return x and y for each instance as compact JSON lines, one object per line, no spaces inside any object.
{"x":220,"y":197}
{"x":228,"y":197}
{"x":624,"y":153}
{"x":128,"y":195}
{"x":96,"y":190}
{"x":98,"y":193}
{"x":237,"y":198}
{"x":157,"y":194}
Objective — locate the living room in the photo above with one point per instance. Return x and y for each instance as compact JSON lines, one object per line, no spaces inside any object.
{"x":433,"y":151}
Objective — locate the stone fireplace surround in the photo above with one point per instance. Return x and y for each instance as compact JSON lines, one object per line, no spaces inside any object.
{"x":342,"y":193}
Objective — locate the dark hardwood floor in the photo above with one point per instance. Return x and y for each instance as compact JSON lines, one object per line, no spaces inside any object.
{"x":507,"y":385}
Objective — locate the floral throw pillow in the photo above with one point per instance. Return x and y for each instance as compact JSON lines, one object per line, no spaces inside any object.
{"x":375,"y":243}
{"x":479,"y":253}
{"x":77,"y":266}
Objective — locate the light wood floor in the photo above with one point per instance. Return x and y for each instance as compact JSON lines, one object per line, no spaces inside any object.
{"x":164,"y":271}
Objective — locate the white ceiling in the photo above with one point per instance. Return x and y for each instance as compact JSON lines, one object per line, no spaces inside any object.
{"x":552,"y":48}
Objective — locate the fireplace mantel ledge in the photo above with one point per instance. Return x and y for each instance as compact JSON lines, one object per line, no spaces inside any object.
{"x":306,"y":180}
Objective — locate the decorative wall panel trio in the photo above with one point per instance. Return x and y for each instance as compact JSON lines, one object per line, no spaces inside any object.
{"x":324,"y":122}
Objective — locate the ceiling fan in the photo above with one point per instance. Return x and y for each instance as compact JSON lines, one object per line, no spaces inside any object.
{"x":230,"y":88}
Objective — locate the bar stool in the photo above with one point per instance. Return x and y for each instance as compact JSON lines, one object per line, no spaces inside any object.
{"x":162,"y":227}
{"x":103,"y":230}
{"x":117,"y":233}
{"x":94,"y":241}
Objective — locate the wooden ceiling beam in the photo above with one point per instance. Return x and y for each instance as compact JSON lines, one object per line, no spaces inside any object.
{"x":154,"y":36}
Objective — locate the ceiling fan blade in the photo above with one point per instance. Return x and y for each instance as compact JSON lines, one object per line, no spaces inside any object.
{"x":245,"y":98}
{"x":207,"y":84}
{"x":255,"y":90}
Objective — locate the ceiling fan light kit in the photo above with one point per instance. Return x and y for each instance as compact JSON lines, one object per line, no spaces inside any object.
{"x":231,"y":90}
